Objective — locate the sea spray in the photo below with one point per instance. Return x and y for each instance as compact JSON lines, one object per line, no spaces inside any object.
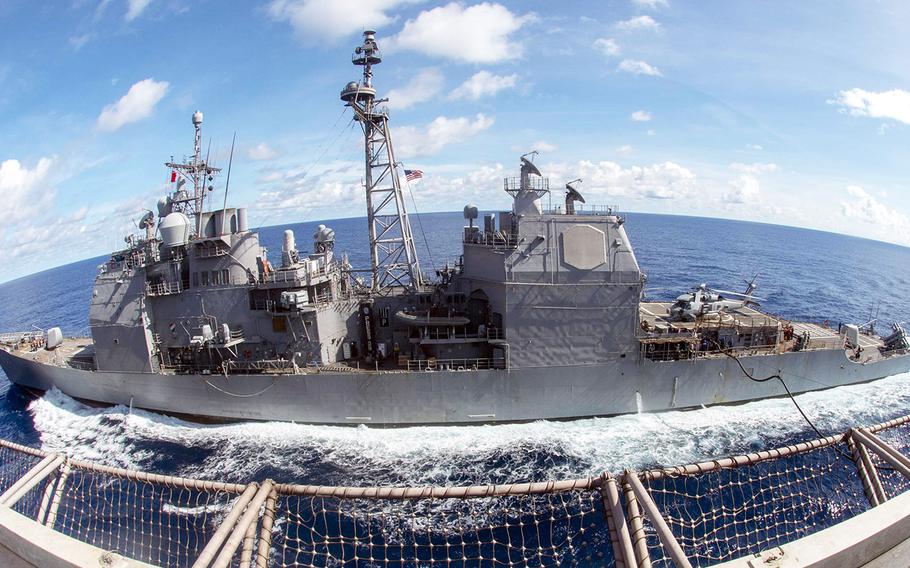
{"x":446,"y":455}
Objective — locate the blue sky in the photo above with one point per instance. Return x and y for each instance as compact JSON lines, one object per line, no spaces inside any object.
{"x":786,"y":112}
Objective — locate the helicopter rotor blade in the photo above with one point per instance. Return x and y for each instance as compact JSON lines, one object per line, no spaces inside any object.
{"x":738,"y":294}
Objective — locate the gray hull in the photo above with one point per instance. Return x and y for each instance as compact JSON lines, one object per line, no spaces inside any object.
{"x":457,"y":397}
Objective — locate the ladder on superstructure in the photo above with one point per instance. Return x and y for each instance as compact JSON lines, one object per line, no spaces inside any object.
{"x":393,"y":254}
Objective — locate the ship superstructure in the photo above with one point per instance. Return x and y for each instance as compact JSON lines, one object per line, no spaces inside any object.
{"x":202,"y":296}
{"x":543,"y":316}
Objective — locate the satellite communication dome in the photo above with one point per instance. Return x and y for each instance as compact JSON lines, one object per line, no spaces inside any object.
{"x":197,"y":117}
{"x":470,"y":211}
{"x":175,"y":229}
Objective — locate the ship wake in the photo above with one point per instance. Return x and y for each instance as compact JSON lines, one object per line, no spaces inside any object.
{"x":337,"y":455}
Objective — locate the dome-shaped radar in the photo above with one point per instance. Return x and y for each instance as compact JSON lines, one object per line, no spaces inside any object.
{"x":175,"y":230}
{"x":164,"y":206}
{"x":470,"y":211}
{"x":356,"y":91}
{"x":324,"y":234}
{"x":197,"y":117}
{"x":366,"y":56}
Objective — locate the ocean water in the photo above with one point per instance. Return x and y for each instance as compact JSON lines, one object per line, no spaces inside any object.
{"x":801,"y":273}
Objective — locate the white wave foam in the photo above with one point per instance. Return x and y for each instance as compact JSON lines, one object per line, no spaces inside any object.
{"x":463,"y":454}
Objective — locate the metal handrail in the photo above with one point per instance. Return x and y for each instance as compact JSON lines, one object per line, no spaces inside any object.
{"x":498,"y":239}
{"x":477,"y":364}
{"x":163,"y":288}
{"x":584,"y":209}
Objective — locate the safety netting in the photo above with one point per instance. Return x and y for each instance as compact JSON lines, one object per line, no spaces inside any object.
{"x":727,"y":512}
{"x":564,"y":528}
{"x":715,"y":511}
{"x":161,"y":522}
{"x":893,"y":482}
{"x":14,"y":463}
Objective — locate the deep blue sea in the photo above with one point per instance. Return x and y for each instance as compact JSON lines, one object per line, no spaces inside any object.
{"x":801,"y":273}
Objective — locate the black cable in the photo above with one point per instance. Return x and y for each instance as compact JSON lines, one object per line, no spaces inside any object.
{"x":766,"y":379}
{"x":792,"y":399}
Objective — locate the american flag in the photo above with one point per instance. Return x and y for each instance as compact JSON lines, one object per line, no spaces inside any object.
{"x":411,"y":175}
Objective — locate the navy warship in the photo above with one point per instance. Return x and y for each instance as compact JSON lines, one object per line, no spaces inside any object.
{"x":543,"y":316}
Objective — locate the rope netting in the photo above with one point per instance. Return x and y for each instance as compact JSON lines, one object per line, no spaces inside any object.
{"x":730,"y":512}
{"x":13,"y":465}
{"x":893,"y":482}
{"x":553,"y":529}
{"x":716,"y":511}
{"x":161,"y":524}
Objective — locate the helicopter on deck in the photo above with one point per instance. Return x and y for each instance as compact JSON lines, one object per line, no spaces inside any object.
{"x":704,"y":302}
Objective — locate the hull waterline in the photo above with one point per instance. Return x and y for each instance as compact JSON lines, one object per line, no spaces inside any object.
{"x":456,"y":397}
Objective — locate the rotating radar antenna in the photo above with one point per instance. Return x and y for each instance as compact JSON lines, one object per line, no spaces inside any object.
{"x":392,"y":252}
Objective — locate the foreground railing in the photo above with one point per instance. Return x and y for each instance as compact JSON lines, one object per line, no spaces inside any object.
{"x":700,"y":514}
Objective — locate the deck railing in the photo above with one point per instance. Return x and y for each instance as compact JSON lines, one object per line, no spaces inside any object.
{"x":701,"y":513}
{"x":476,"y":364}
{"x":495,"y":240}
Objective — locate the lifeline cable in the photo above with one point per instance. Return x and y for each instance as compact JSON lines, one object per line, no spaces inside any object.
{"x":426,"y":243}
{"x":326,"y":144}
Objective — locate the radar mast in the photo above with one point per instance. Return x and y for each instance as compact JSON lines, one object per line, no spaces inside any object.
{"x":392,"y":252}
{"x":197,"y":173}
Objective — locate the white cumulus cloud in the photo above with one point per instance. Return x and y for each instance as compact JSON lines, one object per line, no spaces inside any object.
{"x":667,"y":180}
{"x":25,"y":191}
{"x":138,"y":103}
{"x":483,"y":84}
{"x":607,"y":46}
{"x":637,"y":67}
{"x":331,"y":20}
{"x":886,"y":223}
{"x":746,"y":187}
{"x":471,"y":34}
{"x":422,"y":87}
{"x":413,"y":141}
{"x":638,"y":23}
{"x":302,"y":188}
{"x":262,"y":152}
{"x":893,"y":104}
{"x":640,"y":116}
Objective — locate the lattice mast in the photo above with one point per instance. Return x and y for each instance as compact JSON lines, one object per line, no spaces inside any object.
{"x":392,"y":252}
{"x":194,"y":172}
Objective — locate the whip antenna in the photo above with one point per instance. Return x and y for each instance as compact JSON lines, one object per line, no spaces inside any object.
{"x":227,"y":183}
